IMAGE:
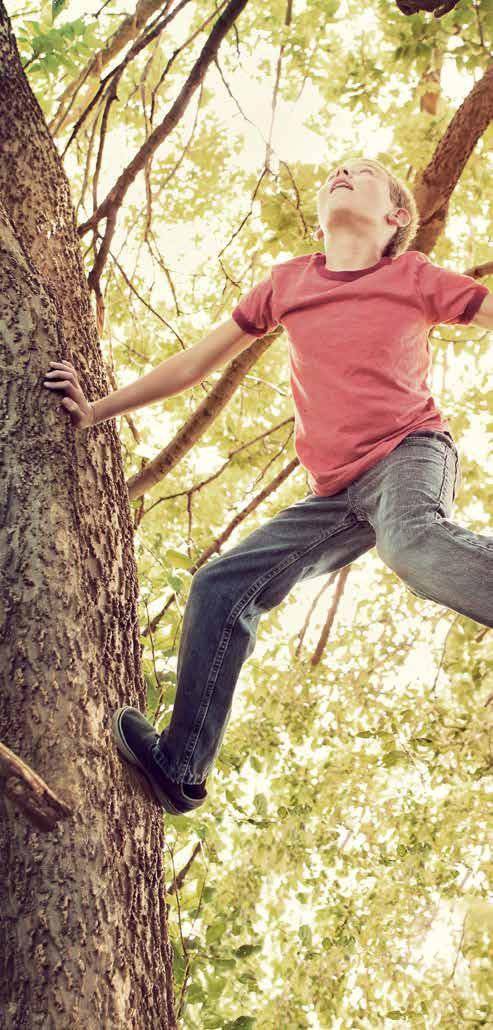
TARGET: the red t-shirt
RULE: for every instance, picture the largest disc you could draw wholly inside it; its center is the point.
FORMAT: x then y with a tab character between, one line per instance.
359	353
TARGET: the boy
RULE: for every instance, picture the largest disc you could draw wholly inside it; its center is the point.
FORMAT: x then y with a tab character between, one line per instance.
382	465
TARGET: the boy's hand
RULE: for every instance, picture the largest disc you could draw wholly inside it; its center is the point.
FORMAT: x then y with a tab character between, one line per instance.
62	376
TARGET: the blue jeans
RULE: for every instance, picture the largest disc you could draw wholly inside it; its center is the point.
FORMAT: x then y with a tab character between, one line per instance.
402	505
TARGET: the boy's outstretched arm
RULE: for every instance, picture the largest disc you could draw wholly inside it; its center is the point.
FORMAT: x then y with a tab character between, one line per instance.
174	375
484	314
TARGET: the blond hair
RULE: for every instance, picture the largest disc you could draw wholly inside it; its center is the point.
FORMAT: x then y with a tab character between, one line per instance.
401	196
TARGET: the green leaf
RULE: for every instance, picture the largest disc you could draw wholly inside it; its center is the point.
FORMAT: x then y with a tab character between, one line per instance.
225	963
153	694
195	993
174	581
178	958
52	63
210	1022
242	1023
56	7
260	802
305	935
215	987
393	757
177	559
245	950
247	978
215	932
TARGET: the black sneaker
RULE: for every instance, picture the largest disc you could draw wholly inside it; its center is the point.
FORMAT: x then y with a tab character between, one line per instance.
136	740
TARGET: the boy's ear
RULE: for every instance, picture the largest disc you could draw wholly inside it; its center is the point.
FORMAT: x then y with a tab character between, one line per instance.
400	217
318	234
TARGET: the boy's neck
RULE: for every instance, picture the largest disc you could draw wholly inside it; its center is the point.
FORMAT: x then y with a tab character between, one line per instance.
345	252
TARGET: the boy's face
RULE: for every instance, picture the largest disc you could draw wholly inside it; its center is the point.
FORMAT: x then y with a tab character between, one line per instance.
367	195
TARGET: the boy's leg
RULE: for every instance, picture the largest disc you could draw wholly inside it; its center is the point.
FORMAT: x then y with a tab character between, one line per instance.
408	498
227	598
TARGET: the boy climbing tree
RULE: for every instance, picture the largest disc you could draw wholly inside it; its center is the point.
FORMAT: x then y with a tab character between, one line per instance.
382	465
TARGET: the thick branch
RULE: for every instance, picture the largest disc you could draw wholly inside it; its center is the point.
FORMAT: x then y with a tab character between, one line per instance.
435	185
18	782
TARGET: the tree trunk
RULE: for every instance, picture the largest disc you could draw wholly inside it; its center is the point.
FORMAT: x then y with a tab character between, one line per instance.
84	938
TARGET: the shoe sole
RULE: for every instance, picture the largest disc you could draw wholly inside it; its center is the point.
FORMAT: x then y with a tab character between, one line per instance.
132	759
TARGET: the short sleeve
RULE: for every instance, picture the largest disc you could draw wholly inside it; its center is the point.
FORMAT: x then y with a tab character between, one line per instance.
254	312
448	296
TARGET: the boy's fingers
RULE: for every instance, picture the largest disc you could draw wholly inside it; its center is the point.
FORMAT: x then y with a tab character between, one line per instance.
66	384
61	376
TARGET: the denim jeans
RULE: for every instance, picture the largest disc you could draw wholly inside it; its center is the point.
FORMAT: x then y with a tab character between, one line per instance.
401	505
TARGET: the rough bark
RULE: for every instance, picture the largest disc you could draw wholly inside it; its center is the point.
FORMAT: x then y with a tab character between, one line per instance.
84	936
436	183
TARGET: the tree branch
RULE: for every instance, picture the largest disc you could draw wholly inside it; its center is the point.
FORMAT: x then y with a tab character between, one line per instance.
326	628
18	782
435	185
126	31
215	475
115	74
114	199
205	414
217	543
